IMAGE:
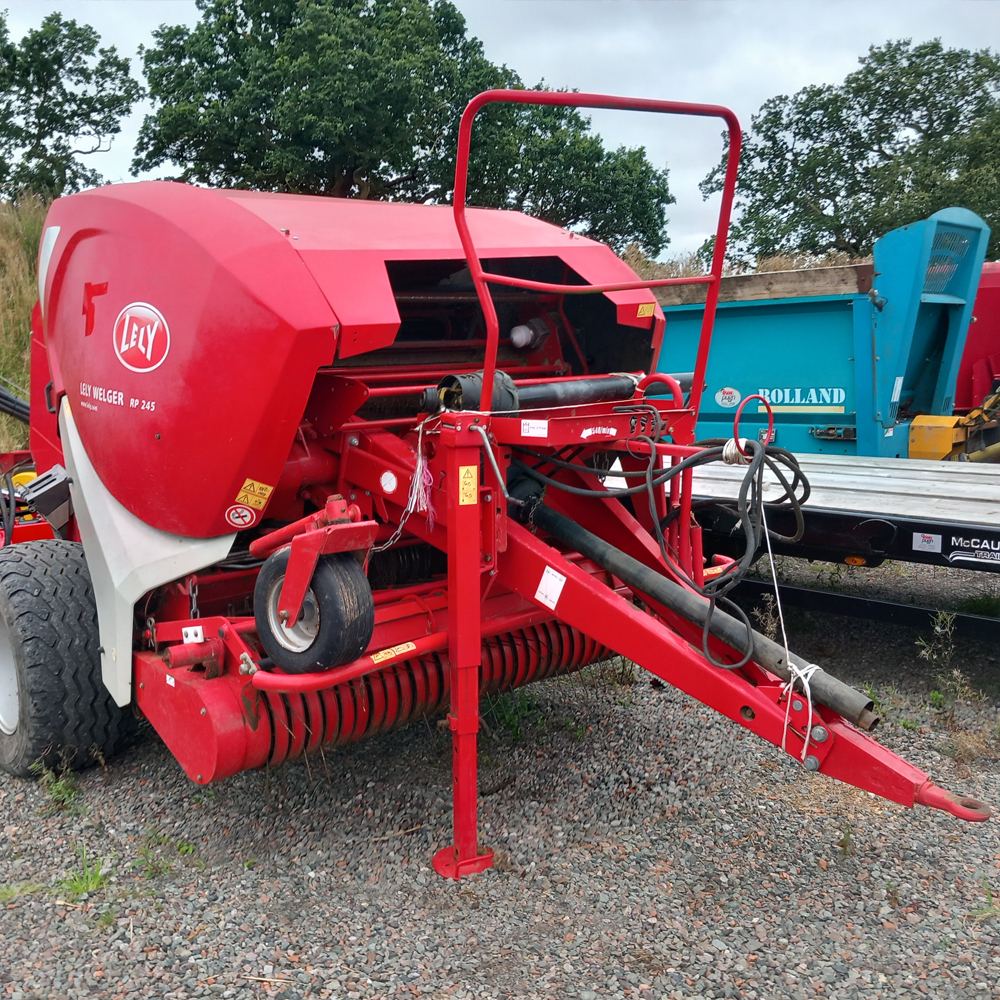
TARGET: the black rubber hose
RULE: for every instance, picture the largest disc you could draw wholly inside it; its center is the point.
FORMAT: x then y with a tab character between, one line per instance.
826	690
462	392
9	505
14	406
581	390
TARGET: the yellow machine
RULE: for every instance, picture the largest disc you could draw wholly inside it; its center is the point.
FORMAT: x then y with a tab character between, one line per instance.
974	437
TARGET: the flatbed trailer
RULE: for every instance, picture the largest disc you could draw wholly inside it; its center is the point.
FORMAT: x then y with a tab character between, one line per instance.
863	511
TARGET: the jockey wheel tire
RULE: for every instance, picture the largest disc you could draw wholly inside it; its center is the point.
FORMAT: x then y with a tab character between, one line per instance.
337	618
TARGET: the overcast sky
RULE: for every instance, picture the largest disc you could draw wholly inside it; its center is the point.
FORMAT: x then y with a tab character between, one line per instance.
732	52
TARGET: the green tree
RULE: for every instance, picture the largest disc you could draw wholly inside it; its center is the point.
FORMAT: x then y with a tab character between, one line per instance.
363	98
832	168
61	97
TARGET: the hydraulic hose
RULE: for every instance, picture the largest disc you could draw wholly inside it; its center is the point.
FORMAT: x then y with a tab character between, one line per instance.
462	392
826	690
14	405
603	389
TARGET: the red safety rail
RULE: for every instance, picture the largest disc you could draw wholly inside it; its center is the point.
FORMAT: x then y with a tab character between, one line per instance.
482	278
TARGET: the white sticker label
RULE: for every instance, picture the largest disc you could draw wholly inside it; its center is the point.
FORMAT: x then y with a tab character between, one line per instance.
534	428
550	588
889	432
388	482
608	431
897	388
926	543
170	681
728	397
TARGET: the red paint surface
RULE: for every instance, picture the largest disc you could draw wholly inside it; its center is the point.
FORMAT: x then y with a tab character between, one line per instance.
981	359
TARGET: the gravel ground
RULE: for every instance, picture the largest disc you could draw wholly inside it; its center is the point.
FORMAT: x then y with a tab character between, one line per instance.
647	848
906	583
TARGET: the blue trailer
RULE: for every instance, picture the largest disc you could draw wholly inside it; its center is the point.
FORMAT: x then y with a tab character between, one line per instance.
846	356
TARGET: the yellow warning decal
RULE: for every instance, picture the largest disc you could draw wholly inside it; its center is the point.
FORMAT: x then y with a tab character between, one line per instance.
645	309
468	484
254	494
388	654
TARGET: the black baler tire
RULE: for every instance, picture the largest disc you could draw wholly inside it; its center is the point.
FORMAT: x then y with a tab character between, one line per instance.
48	608
346	608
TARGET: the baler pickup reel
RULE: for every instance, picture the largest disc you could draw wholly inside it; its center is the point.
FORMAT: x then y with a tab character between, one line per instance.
550	565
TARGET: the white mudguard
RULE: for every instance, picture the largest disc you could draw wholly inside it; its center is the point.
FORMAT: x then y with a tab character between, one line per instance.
126	557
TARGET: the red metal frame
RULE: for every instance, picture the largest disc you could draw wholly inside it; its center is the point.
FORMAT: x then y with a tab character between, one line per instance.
514	606
481	279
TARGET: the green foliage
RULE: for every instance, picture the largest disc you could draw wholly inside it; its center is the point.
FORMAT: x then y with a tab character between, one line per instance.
846	842
89	878
873	696
939	649
991	911
766	617
616	672
987	605
513	711
62	97
20	232
16	889
149	861
915	129
363	99
59	783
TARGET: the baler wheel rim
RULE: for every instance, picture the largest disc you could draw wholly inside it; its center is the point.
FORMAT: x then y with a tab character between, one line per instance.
10	691
303	634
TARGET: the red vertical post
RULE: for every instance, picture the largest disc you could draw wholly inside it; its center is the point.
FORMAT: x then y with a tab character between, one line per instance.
464	646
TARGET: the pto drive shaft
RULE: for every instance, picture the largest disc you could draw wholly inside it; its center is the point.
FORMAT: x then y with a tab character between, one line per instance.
826	690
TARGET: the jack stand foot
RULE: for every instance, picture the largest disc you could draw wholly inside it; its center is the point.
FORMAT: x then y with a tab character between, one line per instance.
447	865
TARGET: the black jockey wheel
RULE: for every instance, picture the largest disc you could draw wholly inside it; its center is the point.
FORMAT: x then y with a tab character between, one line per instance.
335	623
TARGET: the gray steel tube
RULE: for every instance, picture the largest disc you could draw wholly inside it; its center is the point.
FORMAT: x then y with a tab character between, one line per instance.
826	690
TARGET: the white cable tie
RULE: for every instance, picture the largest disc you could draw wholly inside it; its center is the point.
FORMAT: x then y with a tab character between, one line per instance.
416	484
801	674
731	454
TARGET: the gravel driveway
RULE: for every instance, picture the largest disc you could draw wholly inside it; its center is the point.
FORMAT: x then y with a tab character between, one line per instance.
646	848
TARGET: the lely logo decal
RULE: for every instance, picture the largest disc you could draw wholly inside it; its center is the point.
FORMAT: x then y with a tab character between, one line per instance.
141	337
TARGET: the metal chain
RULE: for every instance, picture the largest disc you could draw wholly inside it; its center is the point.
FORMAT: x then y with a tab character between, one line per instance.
193	592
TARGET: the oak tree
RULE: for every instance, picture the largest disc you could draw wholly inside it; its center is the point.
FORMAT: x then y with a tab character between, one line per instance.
832	168
362	98
61	98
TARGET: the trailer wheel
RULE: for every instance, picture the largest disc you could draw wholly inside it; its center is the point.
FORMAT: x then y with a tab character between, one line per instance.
53	704
336	621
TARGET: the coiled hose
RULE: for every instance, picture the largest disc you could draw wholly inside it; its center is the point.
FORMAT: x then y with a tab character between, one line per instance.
749	504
